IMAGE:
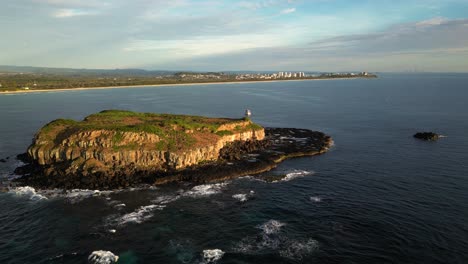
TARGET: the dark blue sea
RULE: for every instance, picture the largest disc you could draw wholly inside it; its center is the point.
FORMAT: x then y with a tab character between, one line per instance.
378	196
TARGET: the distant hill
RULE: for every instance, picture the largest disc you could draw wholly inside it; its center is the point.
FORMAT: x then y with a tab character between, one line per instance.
84	72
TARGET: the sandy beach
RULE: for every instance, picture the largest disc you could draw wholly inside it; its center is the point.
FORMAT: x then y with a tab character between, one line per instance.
156	85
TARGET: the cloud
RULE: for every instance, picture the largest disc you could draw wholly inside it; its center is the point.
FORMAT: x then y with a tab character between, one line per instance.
254	5
288	10
73	3
431	45
65	13
437	33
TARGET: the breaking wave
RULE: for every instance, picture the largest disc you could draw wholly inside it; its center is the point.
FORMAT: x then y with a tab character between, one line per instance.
271	227
205	190
78	195
294	175
28	192
273	240
102	257
316	199
139	216
243	197
143	213
212	255
166	199
297	250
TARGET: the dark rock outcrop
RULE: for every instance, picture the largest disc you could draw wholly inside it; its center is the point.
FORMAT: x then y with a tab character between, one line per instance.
429	136
238	158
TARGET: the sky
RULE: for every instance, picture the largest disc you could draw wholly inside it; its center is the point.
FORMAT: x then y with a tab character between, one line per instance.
223	35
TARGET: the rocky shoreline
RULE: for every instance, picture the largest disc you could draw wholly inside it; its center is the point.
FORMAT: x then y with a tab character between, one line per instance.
236	159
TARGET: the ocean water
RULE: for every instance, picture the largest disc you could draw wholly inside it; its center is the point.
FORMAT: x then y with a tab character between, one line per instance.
379	196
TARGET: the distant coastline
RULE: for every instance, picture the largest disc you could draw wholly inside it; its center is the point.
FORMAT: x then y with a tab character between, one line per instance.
180	84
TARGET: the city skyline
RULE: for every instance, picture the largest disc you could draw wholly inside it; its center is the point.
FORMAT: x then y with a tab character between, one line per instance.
317	35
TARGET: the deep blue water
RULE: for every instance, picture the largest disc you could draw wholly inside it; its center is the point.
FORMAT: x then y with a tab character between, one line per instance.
379	196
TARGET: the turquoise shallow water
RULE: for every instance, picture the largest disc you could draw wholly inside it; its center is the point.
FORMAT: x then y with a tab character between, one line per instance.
379	196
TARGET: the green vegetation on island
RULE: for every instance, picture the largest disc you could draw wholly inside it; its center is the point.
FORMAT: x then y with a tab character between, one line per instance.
117	149
174	132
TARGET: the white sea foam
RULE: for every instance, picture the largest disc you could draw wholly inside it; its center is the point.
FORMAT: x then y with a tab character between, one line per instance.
140	215
144	213
316	199
271	239
166	199
271	227
102	257
297	250
78	195
212	255
28	192
294	175
243	197
205	190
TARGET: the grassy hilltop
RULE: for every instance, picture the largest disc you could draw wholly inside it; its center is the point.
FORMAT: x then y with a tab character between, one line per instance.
175	132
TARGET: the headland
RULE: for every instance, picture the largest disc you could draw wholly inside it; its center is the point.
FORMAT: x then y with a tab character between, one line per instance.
117	149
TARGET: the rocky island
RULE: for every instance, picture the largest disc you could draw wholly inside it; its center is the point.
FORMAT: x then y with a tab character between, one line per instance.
115	149
428	136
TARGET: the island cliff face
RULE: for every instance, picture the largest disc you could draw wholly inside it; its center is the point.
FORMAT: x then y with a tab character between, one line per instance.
174	142
115	149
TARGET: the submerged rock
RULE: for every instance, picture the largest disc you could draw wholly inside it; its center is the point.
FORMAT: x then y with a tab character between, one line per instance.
117	149
429	136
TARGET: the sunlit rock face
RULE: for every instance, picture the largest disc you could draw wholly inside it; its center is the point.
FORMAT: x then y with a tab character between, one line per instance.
106	141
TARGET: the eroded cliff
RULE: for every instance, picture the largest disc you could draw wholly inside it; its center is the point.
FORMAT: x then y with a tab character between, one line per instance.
114	139
118	149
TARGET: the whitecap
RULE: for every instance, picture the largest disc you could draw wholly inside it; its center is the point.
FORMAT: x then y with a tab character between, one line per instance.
140	215
102	257
78	195
297	250
212	255
316	199
243	197
166	199
205	190
28	192
271	227
294	175
271	239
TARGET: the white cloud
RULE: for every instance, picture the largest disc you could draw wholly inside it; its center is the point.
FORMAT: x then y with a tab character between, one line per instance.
432	22
64	13
288	10
202	46
432	45
73	3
